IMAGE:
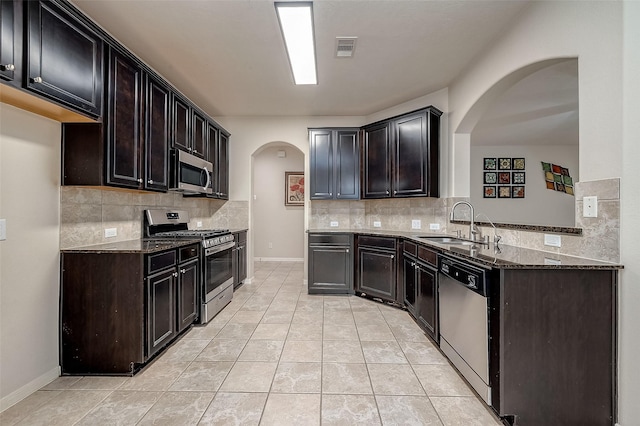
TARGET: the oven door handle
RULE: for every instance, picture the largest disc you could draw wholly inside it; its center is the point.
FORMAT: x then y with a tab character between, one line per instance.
217	249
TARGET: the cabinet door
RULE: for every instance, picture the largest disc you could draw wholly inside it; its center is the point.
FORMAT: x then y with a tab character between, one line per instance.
161	309
377	273
330	269
410	156
409	284
64	58
212	148
347	165
187	293
242	263
376	162
321	165
123	121
10	37
181	128
199	135
223	166
427	301
156	135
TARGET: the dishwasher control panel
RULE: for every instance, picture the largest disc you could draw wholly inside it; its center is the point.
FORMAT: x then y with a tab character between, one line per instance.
472	277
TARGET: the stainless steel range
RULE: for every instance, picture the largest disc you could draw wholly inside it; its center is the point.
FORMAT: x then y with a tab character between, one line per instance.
216	276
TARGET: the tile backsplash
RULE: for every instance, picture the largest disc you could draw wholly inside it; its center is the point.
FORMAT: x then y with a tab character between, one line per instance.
86	212
600	237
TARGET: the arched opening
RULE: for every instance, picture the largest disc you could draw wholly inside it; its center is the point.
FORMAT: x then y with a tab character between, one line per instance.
530	115
277	227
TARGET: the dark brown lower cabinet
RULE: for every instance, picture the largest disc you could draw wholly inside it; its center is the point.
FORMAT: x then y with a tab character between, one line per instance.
118	309
239	258
377	268
330	264
420	284
553	346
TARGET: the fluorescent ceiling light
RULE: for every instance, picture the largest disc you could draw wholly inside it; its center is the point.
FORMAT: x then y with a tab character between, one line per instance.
296	24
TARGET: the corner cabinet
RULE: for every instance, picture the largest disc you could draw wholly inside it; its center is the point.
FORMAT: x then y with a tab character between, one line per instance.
377	268
330	263
400	156
334	164
63	58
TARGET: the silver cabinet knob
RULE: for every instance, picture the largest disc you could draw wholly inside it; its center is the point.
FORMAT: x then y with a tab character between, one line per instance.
387	192
394	192
150	181
347	250
8	67
175	274
338	194
184	271
37	80
140	180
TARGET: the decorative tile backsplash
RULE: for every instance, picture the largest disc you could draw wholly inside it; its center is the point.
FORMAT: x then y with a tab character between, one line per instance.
86	212
600	237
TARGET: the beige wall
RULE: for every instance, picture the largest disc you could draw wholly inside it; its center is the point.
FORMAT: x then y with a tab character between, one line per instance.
29	259
278	230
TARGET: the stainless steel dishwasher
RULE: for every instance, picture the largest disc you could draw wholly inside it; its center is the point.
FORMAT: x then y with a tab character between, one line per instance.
464	335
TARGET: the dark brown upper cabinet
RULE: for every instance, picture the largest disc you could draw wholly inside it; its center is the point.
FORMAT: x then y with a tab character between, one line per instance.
400	156
130	148
334	164
221	167
157	134
11	41
124	121
189	130
64	58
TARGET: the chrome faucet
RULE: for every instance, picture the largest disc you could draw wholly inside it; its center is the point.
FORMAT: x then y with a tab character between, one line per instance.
474	234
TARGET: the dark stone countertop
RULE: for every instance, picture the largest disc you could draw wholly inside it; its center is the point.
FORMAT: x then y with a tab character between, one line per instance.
143	246
500	256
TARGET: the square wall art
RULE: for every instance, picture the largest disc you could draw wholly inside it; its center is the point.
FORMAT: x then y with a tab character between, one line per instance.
557	178
508	173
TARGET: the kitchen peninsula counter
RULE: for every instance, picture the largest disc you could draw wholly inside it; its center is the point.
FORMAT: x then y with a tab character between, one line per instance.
500	255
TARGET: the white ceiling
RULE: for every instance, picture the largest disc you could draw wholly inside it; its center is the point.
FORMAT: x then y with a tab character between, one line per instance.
228	55
540	109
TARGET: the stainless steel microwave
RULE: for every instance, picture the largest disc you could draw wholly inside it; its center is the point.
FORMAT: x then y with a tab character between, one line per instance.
190	174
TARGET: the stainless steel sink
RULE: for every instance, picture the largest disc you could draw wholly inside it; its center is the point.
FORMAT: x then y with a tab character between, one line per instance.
446	240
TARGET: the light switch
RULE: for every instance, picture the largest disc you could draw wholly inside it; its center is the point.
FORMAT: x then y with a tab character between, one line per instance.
333	224
416	224
434	226
552	240
3	229
110	232
590	206
377	224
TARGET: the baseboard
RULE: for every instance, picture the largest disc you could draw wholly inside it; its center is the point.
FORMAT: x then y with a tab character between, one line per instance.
278	259
26	390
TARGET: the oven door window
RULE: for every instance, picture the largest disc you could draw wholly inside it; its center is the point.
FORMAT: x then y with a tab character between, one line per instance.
219	269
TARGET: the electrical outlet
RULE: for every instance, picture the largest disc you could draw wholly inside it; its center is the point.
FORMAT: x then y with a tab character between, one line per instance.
548	261
552	240
434	226
3	229
416	224
110	232
199	224
377	224
590	206
334	224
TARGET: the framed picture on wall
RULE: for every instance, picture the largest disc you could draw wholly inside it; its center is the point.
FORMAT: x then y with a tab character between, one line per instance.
294	188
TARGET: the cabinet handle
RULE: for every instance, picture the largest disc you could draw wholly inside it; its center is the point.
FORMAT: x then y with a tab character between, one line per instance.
150	181
394	192
37	80
387	192
331	194
140	180
338	194
347	250
8	67
184	271
195	151
392	256
175	274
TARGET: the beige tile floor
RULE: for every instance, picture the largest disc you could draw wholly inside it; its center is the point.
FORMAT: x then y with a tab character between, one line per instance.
275	356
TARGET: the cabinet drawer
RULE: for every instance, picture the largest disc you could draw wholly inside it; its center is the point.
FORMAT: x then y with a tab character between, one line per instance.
189	252
431	257
411	248
160	261
378	242
330	239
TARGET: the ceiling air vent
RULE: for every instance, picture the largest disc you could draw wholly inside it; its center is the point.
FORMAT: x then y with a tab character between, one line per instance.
345	46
